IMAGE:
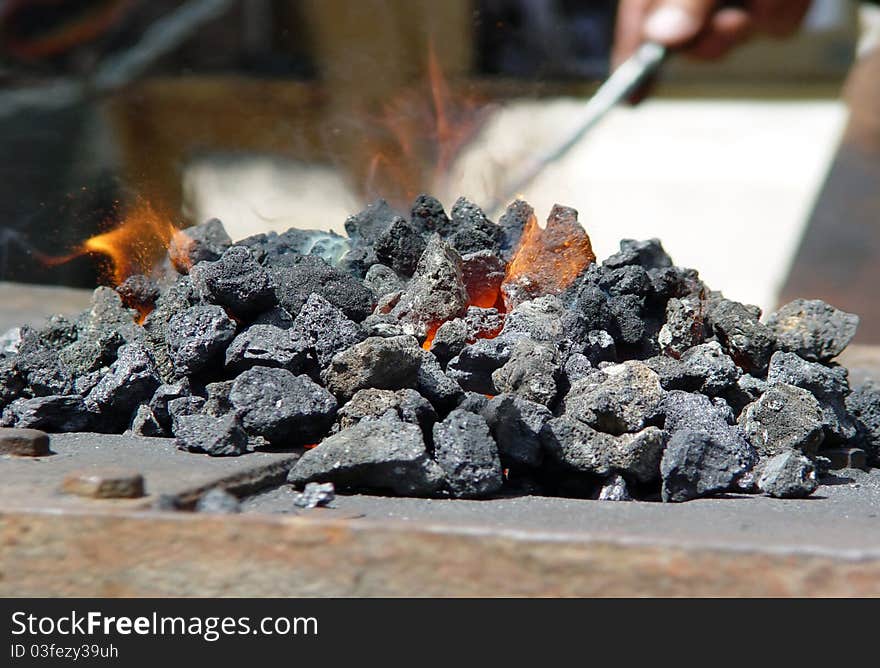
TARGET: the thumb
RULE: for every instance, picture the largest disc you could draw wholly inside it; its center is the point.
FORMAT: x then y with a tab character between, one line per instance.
676	22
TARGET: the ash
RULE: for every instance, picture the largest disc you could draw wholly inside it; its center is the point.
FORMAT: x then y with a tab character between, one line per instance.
448	355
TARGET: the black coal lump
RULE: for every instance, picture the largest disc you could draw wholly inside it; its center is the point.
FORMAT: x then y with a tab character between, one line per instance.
265	345
473	231
696	464
138	291
381	455
749	342
164	394
300	276
685	326
648	254
400	246
357	261
813	329
215	436
428	216
217	401
367	225
197	336
131	380
513	223
200	243
283	408
465	450
277	317
52	414
144	423
516	424
182	406
436	386
532	372
237	282
383	280
325	329
474	366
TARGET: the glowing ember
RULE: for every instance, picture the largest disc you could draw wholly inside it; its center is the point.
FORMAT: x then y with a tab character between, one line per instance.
548	260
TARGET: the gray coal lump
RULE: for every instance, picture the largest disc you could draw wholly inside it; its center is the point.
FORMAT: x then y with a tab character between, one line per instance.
813	329
428	216
618	399
325	328
830	386
684	411
367	225
237	282
864	405
265	345
697	464
197	336
283	408
131	380
784	418
315	495
52	414
435	385
474	366
684	327
376	455
615	489
581	448
465	450
788	475
383	280
532	372
408	404
218	437
385	364
516	425
749	342
299	276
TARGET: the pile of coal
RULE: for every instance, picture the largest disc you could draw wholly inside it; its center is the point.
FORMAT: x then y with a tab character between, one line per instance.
428	355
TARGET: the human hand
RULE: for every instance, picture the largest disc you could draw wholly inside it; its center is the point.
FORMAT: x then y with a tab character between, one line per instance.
703	29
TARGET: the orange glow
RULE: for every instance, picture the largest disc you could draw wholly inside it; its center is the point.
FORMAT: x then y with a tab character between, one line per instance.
548	260
429	339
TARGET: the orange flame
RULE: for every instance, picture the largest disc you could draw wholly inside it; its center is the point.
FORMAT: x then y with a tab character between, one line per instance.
417	138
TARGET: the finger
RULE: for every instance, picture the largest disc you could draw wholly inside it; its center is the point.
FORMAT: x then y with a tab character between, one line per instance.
727	29
778	18
631	16
677	22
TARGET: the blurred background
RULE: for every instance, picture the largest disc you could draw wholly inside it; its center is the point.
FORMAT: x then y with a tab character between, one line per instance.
760	171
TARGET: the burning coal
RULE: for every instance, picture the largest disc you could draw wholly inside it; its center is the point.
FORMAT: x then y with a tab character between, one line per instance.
448	355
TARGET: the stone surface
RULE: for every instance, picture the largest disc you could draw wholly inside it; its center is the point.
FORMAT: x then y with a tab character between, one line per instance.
384	454
408	405
743	336
400	246
298	277
465	450
236	282
315	495
325	328
53	414
813	329
532	372
204	242
614	489
265	345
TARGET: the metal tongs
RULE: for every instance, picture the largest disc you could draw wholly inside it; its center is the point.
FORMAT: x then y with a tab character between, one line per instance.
622	83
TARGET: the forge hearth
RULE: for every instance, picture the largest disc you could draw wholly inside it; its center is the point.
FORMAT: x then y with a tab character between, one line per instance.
445	355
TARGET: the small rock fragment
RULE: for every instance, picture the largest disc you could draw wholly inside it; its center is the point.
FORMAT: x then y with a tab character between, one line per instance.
614	489
104	484
200	243
695	464
408	404
532	372
24	442
315	495
516	424
400	246
265	345
217	501
326	329
788	475
52	414
236	282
